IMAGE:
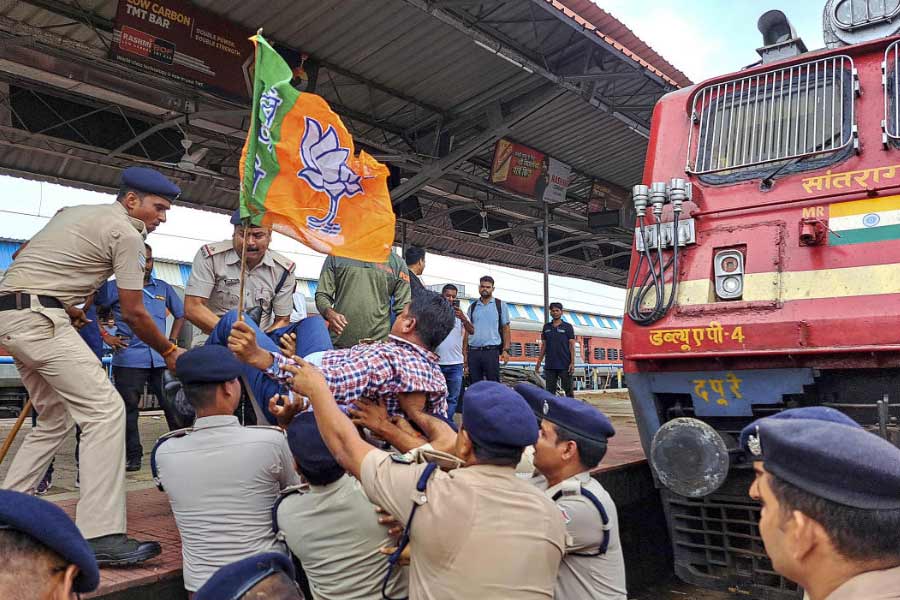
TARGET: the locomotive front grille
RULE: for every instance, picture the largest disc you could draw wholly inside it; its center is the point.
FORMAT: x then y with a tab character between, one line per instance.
716	543
784	114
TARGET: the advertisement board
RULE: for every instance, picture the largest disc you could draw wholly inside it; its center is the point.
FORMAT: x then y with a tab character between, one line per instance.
527	171
175	39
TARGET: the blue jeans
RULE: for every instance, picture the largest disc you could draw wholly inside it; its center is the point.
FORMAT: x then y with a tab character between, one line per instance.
312	336
454	376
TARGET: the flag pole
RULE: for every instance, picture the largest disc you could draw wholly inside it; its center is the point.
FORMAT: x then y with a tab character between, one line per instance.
243	271
246	223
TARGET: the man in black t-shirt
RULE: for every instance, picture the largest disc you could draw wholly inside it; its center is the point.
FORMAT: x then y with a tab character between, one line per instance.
559	348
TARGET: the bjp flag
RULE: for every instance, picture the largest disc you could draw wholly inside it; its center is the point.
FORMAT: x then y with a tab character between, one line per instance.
300	174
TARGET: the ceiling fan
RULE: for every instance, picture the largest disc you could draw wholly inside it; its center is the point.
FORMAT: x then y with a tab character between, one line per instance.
485	232
189	161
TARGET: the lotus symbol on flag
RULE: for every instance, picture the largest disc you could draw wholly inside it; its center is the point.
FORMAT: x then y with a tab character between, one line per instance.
325	170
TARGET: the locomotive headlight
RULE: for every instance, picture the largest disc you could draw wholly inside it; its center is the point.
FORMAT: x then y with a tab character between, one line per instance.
731	285
728	269
730	264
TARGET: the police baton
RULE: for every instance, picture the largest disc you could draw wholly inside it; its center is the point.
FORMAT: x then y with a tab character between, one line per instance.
7	443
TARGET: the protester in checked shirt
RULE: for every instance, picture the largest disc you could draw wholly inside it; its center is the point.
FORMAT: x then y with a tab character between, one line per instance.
404	364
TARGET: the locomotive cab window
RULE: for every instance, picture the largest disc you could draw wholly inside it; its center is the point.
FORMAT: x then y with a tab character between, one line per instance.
515	349
891	67
792	119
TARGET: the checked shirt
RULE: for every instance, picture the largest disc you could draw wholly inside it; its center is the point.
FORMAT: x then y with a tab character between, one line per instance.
378	371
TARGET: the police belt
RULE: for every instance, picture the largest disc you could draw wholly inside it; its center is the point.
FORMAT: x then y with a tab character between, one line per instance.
20	300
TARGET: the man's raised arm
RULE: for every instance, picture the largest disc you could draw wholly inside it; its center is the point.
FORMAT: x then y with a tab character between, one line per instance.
338	432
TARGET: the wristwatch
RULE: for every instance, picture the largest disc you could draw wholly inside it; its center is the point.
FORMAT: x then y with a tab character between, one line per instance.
506	350
174	340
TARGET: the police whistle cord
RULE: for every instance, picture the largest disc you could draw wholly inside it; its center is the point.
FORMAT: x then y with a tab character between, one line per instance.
7	443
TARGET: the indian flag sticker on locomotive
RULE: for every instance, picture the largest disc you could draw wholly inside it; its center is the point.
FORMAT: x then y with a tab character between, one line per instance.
864	221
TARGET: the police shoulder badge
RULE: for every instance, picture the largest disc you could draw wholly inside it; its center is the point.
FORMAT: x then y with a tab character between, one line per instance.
753	443
404	459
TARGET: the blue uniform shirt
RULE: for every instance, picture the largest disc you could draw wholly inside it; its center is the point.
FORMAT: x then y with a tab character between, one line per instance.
484	317
158	296
557	355
90	333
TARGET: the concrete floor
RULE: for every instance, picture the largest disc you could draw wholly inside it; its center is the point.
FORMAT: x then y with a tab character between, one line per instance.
152	424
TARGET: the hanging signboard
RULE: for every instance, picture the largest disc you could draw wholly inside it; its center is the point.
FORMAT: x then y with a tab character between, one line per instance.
178	40
530	172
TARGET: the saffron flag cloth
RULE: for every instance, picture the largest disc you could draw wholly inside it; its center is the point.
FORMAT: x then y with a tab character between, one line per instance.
300	175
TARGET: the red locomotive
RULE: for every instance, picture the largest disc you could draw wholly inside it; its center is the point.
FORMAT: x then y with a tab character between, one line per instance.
766	272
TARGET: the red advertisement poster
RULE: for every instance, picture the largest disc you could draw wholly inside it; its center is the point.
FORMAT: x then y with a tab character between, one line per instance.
530	172
177	40
516	167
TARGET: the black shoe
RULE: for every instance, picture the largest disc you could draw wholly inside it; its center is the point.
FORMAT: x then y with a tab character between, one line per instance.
133	465
118	550
179	405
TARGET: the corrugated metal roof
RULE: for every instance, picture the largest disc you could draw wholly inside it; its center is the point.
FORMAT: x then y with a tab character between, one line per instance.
419	69
169	272
618	33
7	249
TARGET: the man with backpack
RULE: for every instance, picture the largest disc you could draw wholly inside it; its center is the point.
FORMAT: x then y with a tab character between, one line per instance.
489	345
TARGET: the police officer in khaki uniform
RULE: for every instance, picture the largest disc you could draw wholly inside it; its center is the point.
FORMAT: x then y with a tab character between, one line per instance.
40	295
215	281
474	532
830	496
573	441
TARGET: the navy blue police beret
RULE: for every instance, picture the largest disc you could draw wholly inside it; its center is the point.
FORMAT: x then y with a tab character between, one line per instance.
819	413
496	416
208	364
150	181
572	415
307	445
236	579
48	524
828	456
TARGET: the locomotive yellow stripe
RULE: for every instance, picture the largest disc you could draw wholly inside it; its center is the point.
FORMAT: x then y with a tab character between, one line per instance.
867	280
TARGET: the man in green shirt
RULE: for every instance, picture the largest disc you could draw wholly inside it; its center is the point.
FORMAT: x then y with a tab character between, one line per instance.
355	298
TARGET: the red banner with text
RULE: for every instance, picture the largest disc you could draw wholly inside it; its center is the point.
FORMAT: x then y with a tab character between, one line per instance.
177	40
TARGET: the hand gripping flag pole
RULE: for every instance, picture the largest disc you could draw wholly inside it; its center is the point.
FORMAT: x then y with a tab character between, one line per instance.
246	222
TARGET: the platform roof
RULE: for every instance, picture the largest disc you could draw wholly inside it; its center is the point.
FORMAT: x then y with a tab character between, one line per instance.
426	86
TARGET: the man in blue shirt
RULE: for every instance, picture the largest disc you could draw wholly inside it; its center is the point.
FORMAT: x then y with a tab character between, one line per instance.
135	364
559	348
489	345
